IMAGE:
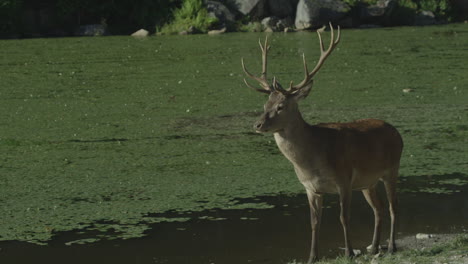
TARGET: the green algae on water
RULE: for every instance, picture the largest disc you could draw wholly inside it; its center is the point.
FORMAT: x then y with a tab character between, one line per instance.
108	131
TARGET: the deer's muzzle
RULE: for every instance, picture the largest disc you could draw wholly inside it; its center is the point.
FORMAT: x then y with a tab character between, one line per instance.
259	125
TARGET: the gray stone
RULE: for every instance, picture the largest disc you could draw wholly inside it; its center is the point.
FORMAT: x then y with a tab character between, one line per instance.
284	23
217	31
315	13
220	11
140	33
425	18
275	24
281	8
270	22
247	6
423	236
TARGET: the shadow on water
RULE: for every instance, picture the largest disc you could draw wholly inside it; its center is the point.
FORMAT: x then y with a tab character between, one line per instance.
276	235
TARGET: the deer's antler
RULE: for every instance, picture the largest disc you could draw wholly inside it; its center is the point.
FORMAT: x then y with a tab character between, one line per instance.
263	81
323	56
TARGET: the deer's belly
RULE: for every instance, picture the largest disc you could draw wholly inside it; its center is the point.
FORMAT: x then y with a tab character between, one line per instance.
326	181
317	180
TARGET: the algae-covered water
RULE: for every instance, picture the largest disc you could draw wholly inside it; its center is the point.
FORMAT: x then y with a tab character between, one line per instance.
112	133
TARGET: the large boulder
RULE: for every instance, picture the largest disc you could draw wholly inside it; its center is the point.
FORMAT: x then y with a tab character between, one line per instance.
221	12
315	13
254	8
140	33
282	8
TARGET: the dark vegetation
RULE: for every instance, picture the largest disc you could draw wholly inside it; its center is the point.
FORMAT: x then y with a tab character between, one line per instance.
30	18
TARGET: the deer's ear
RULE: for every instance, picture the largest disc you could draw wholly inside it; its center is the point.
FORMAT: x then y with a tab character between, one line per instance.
303	92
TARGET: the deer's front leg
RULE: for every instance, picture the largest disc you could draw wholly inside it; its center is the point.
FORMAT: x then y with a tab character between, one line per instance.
345	203
315	204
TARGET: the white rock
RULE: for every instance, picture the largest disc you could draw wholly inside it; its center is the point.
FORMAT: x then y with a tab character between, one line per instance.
140	33
217	31
423	236
407	90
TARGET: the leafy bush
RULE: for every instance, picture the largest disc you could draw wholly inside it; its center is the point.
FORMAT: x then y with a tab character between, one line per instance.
191	14
440	8
251	27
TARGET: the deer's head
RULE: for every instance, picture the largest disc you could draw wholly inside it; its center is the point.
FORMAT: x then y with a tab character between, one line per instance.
281	108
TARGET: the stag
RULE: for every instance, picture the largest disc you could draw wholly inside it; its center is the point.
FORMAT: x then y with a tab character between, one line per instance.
331	157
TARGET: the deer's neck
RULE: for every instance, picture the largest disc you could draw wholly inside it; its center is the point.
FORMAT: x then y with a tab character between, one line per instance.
294	140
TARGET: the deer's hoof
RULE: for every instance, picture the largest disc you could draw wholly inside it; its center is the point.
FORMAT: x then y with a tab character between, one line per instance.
312	259
392	249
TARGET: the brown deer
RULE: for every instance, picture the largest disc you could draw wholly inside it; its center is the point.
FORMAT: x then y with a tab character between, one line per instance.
331	157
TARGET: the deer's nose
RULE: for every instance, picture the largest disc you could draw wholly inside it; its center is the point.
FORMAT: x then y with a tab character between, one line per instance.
258	125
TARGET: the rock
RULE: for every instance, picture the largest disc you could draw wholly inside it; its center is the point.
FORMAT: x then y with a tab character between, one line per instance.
140	33
423	236
217	31
270	22
191	30
255	8
221	12
281	8
369	248
285	23
425	18
92	30
275	24
378	13
315	13
407	90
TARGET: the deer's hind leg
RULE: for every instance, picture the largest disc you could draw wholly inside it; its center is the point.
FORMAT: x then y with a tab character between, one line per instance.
374	201
390	183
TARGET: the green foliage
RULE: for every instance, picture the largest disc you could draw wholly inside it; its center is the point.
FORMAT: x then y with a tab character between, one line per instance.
251	27
191	14
410	4
440	8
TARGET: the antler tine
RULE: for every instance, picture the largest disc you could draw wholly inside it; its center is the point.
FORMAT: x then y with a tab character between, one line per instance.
277	86
256	89
264	49
263	78
263	82
323	56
